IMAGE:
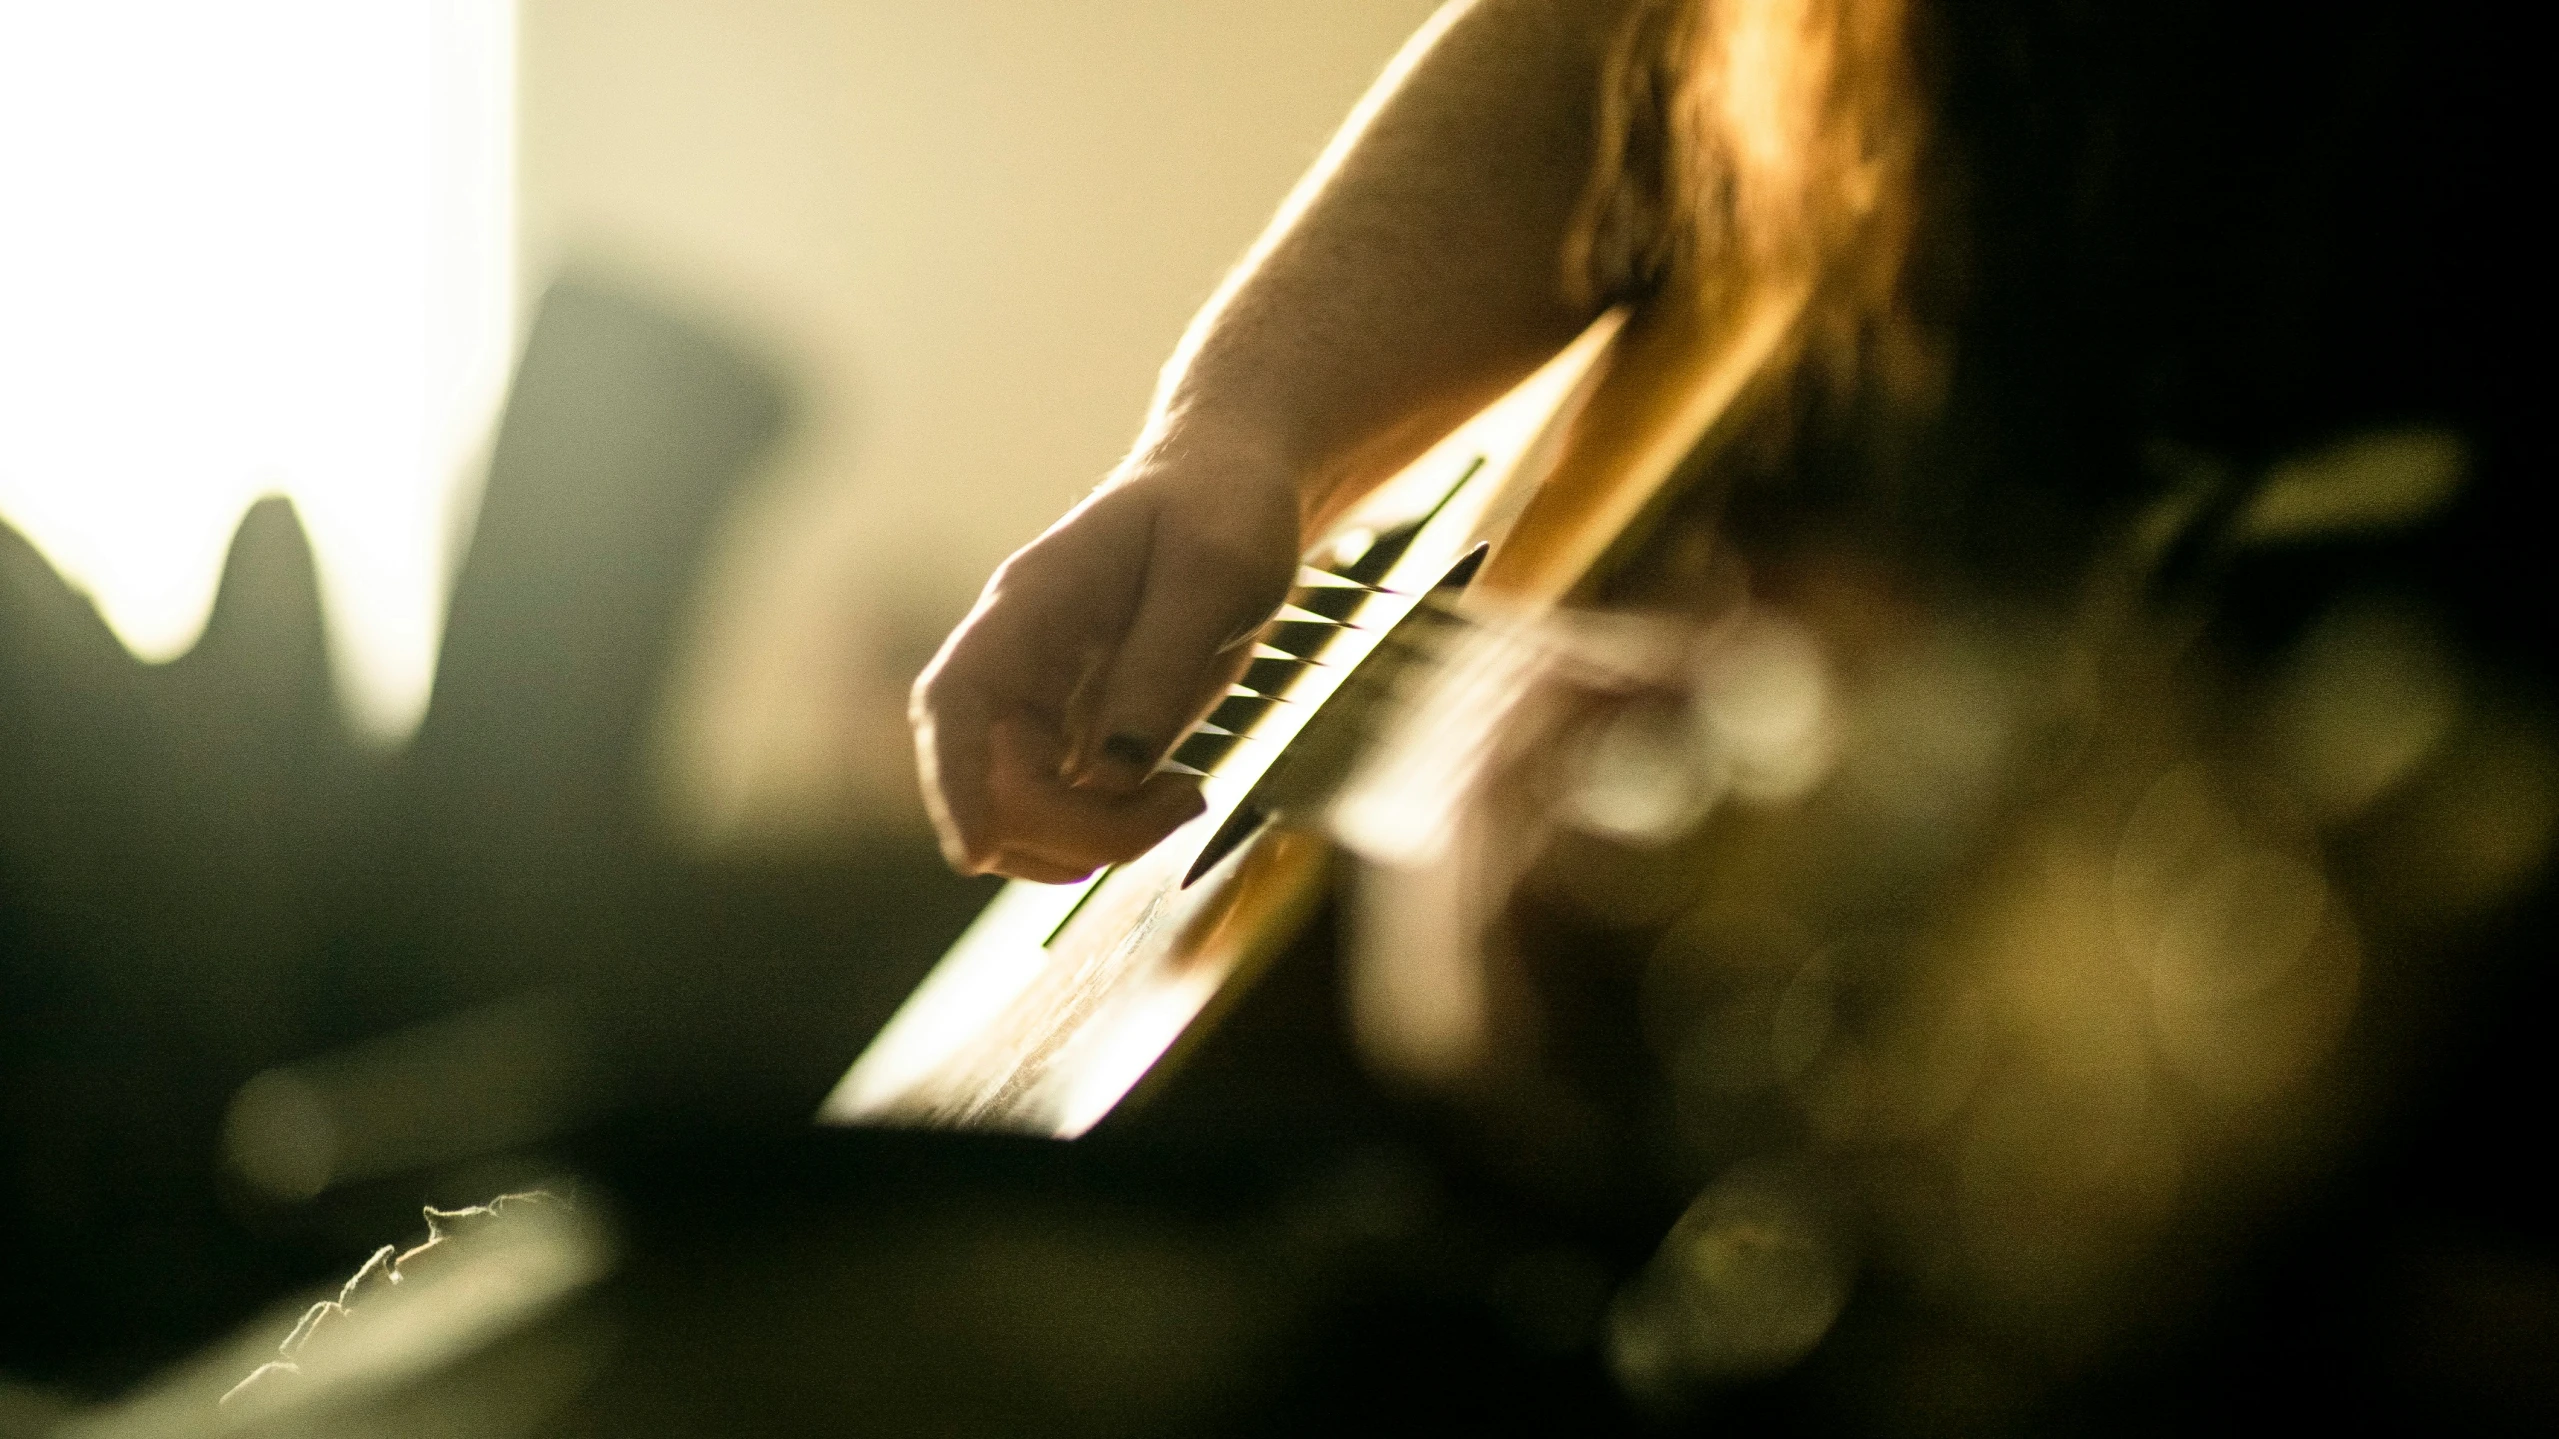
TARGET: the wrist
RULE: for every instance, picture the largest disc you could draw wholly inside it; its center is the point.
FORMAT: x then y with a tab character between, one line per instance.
1229	462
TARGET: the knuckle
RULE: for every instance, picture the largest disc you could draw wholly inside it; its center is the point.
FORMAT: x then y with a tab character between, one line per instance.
927	684
972	854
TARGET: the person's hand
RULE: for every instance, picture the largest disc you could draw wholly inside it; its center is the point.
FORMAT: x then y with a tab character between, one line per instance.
1091	652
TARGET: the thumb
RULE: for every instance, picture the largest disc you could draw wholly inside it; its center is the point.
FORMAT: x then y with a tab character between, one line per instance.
1188	640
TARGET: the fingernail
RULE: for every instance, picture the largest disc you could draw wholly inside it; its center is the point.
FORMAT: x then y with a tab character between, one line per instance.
1129	750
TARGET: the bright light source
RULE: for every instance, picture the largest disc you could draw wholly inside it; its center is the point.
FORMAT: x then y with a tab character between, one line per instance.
252	248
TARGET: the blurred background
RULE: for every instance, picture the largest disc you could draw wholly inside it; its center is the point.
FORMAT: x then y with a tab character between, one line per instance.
476	479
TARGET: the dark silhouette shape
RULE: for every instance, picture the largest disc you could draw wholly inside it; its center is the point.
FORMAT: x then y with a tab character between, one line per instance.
202	876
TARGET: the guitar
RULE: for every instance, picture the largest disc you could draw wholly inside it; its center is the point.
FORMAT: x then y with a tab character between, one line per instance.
1059	999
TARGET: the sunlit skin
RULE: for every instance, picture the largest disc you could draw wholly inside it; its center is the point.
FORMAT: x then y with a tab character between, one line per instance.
1412	277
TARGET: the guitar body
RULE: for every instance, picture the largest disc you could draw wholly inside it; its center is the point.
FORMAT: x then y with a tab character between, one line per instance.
1059	999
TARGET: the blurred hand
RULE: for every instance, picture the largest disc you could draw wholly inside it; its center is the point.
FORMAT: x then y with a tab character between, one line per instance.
1091	652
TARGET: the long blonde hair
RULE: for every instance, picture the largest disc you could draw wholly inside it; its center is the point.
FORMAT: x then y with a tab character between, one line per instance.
1744	142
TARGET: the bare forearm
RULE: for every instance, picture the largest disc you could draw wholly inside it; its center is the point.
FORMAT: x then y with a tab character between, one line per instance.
1416	274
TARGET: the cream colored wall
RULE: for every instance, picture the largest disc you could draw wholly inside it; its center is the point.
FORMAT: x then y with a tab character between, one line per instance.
971	229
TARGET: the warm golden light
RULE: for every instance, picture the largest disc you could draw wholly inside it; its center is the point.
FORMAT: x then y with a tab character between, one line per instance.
255	248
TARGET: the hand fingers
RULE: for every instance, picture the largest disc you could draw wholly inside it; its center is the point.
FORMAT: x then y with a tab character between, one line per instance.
1047	825
1186	644
1012	813
1111	634
1014	865
951	761
1020	652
